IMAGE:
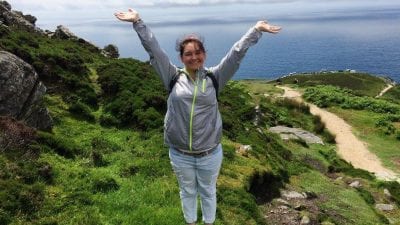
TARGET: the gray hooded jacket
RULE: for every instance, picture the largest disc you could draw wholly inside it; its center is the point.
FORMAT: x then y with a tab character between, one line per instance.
193	121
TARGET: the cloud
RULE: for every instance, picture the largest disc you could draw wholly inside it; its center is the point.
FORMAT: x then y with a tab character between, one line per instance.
105	4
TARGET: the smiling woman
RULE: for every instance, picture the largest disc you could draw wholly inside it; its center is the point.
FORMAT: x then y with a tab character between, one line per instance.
193	125
333	30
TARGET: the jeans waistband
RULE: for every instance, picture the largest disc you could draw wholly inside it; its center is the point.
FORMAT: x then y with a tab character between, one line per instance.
198	154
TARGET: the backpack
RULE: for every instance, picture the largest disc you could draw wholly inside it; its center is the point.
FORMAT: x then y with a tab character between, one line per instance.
208	74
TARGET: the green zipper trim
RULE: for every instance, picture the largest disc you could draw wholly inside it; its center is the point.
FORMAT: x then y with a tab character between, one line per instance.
204	85
192	115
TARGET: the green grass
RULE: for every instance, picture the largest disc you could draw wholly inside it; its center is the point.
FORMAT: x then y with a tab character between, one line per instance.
261	88
361	84
338	203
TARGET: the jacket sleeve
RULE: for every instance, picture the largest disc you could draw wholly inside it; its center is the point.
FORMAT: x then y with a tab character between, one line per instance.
158	58
225	70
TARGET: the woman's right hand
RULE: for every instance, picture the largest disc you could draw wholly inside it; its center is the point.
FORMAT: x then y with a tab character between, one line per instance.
130	16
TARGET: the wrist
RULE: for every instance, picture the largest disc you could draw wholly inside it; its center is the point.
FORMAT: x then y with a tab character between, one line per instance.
136	20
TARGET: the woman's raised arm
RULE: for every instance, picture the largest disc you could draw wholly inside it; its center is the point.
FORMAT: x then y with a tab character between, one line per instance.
158	58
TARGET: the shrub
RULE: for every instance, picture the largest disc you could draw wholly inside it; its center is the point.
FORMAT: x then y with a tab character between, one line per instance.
81	110
103	145
61	146
319	126
108	120
366	195
112	50
97	159
104	184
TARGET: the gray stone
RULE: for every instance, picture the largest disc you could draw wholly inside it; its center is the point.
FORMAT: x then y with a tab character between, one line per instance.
296	133
21	92
386	192
293	195
16	18
63	32
355	184
305	220
384	207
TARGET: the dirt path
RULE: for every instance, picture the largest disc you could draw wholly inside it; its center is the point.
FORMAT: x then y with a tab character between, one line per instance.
349	147
388	87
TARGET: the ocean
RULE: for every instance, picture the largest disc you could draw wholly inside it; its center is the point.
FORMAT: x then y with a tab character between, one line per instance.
366	41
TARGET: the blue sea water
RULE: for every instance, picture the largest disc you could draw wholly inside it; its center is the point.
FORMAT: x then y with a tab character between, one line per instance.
368	41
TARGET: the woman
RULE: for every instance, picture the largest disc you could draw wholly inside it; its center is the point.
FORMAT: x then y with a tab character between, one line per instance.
192	125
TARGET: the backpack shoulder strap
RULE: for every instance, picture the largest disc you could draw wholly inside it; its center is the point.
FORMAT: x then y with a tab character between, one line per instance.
208	74
214	81
174	80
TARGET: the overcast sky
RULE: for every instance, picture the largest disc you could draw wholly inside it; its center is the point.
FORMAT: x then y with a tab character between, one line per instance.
96	4
51	13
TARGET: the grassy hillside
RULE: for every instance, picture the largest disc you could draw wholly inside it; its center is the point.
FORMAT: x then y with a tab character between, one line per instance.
361	84
104	162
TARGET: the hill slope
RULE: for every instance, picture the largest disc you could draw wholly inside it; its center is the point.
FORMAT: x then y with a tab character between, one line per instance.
104	161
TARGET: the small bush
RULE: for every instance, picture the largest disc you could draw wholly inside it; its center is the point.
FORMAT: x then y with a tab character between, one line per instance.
108	120
98	159
366	195
103	145
61	146
104	184
329	137
5	217
82	110
129	170
319	126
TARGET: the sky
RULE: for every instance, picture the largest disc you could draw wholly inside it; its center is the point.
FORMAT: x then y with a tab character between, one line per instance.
52	12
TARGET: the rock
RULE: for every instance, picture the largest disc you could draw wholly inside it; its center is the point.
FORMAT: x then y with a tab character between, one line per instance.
327	223
355	184
287	133
16	18
299	207
63	32
110	51
243	150
305	220
5	5
21	92
292	195
384	207
281	201
386	192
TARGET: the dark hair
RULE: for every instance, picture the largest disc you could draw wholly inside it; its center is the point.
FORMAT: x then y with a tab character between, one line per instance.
182	42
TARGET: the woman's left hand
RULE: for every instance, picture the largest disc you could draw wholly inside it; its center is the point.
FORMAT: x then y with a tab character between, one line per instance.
264	26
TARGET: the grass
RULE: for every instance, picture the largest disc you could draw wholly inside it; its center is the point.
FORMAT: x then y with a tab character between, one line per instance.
361	84
260	88
338	202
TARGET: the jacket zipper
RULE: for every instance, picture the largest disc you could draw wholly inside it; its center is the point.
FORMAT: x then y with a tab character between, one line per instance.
192	113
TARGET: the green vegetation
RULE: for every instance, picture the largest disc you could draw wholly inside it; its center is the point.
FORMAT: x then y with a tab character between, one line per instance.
104	161
361	84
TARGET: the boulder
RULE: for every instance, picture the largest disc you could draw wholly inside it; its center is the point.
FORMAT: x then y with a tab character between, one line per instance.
21	92
296	133
63	32
384	207
16	18
110	51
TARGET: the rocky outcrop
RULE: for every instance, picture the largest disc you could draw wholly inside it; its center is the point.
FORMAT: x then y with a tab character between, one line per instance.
287	133
110	51
63	32
21	92
10	17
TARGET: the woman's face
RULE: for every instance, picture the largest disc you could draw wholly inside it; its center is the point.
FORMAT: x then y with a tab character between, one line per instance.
193	57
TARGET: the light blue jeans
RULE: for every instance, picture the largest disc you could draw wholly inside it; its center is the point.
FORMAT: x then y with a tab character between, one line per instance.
197	176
